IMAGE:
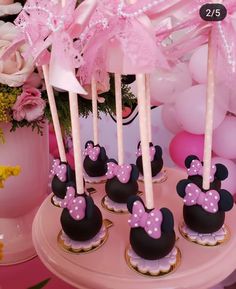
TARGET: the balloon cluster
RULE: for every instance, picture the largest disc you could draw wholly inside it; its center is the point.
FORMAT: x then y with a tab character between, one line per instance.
182	93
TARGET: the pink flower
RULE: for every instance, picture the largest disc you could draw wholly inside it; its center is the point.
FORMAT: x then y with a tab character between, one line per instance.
29	105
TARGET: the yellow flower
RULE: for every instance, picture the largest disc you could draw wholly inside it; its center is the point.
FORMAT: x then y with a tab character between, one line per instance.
6	172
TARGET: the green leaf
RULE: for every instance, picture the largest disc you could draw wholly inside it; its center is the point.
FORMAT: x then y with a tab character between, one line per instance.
41	284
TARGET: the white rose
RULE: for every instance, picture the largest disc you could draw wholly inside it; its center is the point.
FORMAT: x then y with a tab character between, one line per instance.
15	70
8	7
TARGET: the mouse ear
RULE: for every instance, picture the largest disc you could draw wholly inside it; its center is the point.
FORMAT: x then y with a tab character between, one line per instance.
168	220
181	186
89	142
103	154
139	143
158	153
89	206
226	201
221	172
134	173
131	200
112	161
189	159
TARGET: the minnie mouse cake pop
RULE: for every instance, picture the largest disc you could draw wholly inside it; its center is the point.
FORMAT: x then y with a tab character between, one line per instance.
61	174
152	239
95	160
204	210
156	162
120	185
82	224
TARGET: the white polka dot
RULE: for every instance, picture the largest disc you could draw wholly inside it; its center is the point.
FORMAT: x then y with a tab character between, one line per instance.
135	215
149	223
150	232
155	229
157	219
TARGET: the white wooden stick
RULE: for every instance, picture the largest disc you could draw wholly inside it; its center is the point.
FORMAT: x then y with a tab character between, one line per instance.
75	125
143	126
95	111
119	122
55	118
209	117
148	106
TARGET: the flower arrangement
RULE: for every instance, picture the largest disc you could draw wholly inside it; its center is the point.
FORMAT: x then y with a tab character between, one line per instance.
6	172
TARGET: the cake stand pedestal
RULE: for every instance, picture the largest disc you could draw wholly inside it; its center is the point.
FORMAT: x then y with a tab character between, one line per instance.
106	268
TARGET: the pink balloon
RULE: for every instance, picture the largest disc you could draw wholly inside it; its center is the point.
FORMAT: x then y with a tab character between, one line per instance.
224	138
169	118
184	144
198	64
165	84
191	108
229	184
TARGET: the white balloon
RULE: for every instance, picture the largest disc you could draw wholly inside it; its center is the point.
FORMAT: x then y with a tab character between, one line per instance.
165	84
198	64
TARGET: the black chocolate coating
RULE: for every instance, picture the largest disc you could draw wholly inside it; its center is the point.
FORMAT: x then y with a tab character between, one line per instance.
156	165
120	192
150	248
198	220
96	168
198	180
59	188
82	230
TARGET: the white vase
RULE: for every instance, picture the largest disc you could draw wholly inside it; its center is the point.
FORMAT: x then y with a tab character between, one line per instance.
23	194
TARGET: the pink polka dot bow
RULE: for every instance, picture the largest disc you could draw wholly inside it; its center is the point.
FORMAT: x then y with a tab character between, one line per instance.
59	170
152	152
121	172
151	222
92	152
196	168
75	205
208	201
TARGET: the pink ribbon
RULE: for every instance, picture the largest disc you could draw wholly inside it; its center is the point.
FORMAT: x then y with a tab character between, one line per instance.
208	201
196	168
113	39
59	170
151	222
45	24
122	172
92	152
75	205
197	33
152	152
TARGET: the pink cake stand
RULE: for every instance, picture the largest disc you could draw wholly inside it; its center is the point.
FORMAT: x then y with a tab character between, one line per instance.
201	267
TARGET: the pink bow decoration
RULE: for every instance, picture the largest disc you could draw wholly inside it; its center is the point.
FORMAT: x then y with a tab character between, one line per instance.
122	172
75	205
196	168
197	33
45	24
208	201
59	170
92	152
151	222
113	38
152	152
